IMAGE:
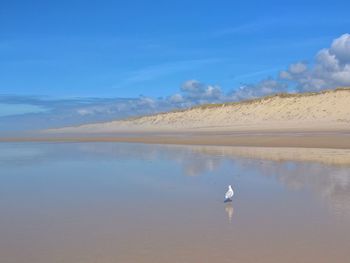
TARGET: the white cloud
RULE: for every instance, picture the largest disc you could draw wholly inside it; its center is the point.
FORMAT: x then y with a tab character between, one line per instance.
263	88
199	92
143	75
298	68
331	68
20	109
176	98
341	48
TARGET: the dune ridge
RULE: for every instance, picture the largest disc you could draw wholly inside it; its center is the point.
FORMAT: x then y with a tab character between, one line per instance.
326	110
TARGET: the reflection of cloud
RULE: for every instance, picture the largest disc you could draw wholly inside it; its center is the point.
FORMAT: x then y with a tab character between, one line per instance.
326	156
197	166
193	164
15	154
327	182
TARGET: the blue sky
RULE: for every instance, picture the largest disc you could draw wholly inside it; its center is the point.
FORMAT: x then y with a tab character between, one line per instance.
126	49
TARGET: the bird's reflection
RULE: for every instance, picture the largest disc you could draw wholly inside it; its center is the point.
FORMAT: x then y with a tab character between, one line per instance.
229	211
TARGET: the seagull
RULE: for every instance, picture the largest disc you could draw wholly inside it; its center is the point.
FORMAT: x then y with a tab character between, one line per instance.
229	194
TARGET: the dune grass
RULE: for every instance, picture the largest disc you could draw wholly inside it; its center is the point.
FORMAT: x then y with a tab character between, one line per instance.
244	102
277	95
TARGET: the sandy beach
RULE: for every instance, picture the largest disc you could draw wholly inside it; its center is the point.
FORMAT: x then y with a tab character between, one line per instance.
76	202
310	121
174	132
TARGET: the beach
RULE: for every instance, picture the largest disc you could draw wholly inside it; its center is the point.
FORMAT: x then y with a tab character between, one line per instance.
316	121
174	132
129	202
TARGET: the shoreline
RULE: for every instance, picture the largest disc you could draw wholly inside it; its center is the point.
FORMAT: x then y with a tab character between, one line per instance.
326	147
302	139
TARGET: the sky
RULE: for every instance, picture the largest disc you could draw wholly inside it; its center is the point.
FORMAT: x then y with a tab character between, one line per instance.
71	62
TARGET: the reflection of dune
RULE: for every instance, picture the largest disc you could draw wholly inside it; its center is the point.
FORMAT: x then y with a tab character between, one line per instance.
327	156
198	166
328	182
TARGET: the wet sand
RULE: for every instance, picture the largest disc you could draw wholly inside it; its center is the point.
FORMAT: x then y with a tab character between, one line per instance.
328	147
117	202
304	139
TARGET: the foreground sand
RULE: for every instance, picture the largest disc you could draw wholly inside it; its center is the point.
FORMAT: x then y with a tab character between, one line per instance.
127	203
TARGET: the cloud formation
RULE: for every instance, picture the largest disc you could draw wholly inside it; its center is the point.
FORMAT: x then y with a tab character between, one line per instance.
194	92
330	69
262	88
63	112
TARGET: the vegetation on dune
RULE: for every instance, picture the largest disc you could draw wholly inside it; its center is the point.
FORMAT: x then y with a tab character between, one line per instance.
244	102
226	104
277	95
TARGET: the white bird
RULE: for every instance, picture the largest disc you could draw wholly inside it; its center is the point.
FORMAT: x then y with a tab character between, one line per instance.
229	194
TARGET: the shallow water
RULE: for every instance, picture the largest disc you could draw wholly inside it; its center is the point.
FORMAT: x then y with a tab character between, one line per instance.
114	202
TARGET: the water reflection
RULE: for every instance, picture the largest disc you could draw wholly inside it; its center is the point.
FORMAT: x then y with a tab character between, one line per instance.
76	202
229	211
330	183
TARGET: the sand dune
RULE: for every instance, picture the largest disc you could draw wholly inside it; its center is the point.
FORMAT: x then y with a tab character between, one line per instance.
327	110
301	127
